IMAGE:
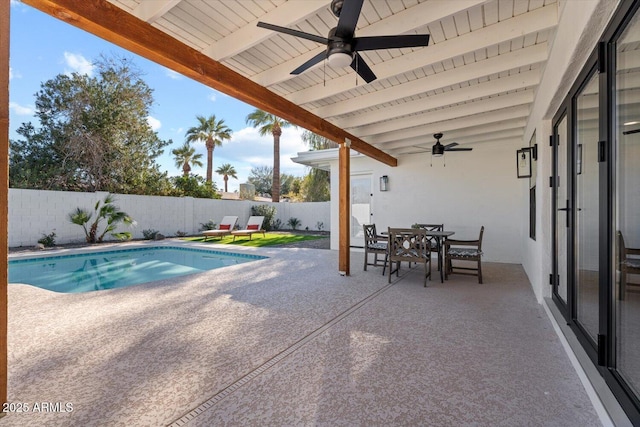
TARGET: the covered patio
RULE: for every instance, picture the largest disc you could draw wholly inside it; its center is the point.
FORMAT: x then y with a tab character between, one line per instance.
262	347
259	346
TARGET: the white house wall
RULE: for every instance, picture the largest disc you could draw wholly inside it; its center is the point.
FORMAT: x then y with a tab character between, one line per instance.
580	26
462	190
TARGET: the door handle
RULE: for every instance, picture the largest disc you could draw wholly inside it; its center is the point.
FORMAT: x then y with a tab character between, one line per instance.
566	209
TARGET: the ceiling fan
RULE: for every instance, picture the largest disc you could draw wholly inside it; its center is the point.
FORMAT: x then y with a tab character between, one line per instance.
438	149
343	47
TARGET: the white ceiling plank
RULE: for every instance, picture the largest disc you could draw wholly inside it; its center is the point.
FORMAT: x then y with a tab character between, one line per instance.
537	20
469	93
404	22
250	35
151	11
463	110
530	55
519	111
455	133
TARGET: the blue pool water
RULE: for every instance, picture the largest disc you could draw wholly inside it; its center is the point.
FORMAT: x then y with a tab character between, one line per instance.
116	269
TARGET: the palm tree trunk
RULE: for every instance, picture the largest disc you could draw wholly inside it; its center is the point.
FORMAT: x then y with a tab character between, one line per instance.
209	159
275	186
226	178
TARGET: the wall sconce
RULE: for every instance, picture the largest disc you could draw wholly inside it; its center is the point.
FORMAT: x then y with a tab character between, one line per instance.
384	183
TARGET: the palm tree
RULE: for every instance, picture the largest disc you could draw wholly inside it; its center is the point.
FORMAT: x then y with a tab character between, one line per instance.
226	171
185	157
268	123
212	132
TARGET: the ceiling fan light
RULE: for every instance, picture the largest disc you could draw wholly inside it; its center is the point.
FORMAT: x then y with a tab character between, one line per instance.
340	60
437	150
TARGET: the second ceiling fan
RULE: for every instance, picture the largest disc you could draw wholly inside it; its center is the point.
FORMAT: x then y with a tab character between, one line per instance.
342	45
438	149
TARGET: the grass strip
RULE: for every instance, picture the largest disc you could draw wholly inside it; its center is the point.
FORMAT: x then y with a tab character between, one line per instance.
257	240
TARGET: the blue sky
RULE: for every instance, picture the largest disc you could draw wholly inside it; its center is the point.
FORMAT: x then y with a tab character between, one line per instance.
56	47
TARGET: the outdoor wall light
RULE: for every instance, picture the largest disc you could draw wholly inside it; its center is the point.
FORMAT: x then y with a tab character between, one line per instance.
384	183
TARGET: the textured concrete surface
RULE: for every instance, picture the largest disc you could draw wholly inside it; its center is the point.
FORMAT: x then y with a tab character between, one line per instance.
287	341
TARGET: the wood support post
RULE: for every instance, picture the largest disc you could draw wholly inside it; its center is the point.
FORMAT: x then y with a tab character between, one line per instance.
4	191
344	208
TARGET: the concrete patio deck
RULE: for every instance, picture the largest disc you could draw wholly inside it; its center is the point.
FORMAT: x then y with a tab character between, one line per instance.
287	341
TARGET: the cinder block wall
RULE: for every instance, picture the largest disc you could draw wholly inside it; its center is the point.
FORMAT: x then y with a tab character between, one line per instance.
33	213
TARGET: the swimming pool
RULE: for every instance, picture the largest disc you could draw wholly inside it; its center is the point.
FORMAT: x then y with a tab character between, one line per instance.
86	272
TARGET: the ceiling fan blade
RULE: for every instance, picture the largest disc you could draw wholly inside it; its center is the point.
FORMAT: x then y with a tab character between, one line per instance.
310	63
458	149
291	32
348	18
363	69
390	42
449	146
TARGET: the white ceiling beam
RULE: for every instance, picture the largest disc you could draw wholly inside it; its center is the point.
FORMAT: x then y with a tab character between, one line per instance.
464	142
465	94
286	15
527	23
404	22
462	122
457	133
151	11
469	109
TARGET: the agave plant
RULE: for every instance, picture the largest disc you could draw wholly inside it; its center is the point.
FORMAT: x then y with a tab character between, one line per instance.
103	211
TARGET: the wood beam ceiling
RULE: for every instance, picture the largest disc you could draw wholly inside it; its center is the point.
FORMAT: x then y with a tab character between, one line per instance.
125	30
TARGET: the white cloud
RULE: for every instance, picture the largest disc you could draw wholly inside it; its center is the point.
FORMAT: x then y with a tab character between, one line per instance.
21	110
172	74
154	123
247	146
77	63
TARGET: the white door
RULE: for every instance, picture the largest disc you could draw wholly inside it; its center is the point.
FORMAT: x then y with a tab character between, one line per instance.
360	207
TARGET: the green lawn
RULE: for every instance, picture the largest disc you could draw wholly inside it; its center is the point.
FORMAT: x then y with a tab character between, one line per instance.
257	240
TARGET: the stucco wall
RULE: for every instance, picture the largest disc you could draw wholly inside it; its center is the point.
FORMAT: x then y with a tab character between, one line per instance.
581	23
463	190
33	213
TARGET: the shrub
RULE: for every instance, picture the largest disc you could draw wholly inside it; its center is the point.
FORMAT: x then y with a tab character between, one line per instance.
268	212
277	224
181	233
209	225
150	234
48	240
104	210
320	225
294	223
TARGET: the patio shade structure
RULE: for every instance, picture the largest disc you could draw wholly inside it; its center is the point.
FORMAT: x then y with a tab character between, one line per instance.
476	78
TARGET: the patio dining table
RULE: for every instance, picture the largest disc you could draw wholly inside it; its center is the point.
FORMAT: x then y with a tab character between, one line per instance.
441	236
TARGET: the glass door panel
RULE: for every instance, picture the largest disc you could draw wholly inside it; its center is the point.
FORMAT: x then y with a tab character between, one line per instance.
586	203
627	206
562	212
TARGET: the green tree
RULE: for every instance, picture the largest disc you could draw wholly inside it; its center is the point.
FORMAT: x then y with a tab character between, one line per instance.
270	124
195	186
227	171
93	134
262	179
185	157
212	132
103	211
316	185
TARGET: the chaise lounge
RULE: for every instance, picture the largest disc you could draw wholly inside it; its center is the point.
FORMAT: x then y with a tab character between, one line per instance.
224	229
254	225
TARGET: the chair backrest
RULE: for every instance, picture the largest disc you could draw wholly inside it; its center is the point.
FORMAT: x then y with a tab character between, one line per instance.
435	243
480	238
370	234
228	220
253	221
408	244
